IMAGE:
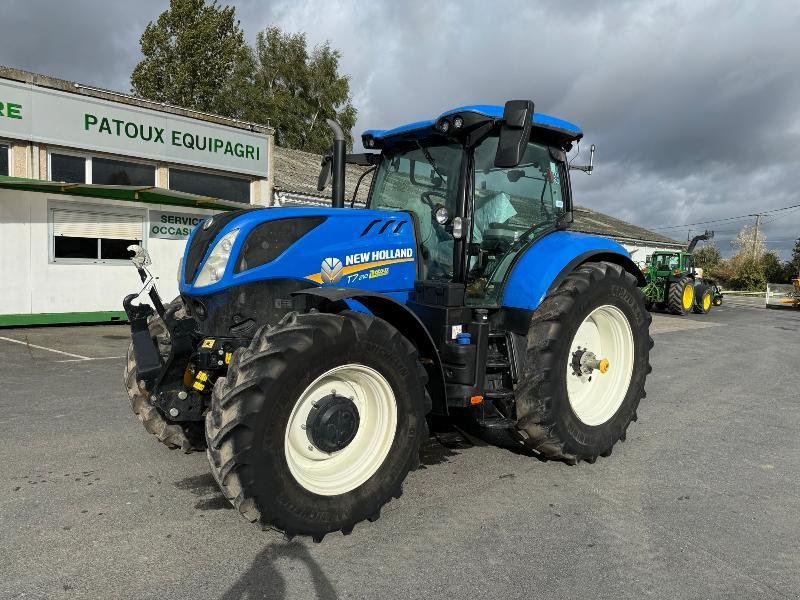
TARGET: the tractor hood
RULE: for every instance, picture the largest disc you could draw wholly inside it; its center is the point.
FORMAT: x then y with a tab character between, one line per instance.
368	249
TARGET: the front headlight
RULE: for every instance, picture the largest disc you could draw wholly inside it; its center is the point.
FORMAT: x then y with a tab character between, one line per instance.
214	267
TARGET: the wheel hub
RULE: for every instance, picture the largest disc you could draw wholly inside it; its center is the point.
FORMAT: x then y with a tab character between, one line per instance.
332	423
584	362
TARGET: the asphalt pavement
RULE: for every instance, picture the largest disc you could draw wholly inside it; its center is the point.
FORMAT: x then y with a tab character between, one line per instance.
701	501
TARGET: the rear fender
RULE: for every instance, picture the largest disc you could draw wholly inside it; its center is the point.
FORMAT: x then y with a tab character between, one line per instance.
546	263
400	317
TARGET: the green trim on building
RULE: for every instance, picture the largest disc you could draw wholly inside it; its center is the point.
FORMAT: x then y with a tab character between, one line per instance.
129	193
62	318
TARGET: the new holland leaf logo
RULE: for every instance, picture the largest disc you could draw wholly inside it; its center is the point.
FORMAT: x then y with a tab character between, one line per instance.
331	270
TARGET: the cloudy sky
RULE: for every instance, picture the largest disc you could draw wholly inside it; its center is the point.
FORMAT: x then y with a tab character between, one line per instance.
694	105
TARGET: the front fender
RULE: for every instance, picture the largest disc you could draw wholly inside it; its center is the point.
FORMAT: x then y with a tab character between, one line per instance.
401	318
544	264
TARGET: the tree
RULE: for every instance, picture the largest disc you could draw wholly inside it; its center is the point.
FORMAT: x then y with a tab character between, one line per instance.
707	257
748	275
195	56
774	271
750	242
792	268
745	269
295	91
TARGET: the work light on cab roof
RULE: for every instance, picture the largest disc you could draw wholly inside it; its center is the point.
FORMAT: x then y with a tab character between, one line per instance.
309	345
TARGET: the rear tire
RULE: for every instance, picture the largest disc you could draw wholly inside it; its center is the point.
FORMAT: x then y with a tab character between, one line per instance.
549	418
172	435
254	435
703	300
680	296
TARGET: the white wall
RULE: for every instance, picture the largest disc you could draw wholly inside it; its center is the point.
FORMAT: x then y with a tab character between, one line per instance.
32	285
15	253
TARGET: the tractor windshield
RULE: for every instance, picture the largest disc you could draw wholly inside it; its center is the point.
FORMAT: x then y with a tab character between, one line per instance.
666	262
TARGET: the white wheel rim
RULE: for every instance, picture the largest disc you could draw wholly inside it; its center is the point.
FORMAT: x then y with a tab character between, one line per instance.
344	470
606	332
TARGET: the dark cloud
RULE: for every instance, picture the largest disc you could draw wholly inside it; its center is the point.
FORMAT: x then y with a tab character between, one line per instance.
694	105
89	41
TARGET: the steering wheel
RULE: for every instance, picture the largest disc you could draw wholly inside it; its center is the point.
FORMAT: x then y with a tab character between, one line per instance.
426	198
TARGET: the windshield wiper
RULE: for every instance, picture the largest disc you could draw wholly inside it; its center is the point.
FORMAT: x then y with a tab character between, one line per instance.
429	158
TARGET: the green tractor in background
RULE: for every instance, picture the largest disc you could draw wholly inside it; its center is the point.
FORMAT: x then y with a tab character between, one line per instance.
674	283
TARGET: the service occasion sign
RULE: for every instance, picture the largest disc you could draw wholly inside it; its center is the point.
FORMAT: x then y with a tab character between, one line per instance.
173	225
75	121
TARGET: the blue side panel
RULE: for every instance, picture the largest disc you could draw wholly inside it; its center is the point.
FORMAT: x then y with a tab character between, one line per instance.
368	249
536	270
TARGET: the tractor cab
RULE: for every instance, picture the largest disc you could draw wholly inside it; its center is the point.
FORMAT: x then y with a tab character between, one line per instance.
672	263
479	188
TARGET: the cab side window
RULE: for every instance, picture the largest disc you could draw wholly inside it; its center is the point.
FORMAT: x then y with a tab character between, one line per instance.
419	181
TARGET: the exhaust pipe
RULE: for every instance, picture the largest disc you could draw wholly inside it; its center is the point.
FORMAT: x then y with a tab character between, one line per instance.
339	148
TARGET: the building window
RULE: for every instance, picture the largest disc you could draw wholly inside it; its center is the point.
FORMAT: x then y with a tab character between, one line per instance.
67	167
106	171
5	152
236	189
85	234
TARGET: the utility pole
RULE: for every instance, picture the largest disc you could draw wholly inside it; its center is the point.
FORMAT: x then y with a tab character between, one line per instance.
755	235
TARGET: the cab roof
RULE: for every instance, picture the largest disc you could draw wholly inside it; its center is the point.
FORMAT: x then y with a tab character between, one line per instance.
568	132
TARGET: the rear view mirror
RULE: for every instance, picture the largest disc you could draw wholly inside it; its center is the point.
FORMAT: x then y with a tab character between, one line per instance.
325	173
515	132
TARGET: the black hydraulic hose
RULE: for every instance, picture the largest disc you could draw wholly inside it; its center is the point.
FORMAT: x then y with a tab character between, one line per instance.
358	184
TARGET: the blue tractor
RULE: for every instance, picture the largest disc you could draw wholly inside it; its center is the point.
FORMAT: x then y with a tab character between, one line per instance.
309	345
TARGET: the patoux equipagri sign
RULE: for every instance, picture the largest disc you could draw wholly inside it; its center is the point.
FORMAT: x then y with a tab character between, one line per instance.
54	117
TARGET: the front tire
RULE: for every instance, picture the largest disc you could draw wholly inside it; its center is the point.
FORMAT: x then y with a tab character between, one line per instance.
264	442
597	308
680	296
703	300
187	437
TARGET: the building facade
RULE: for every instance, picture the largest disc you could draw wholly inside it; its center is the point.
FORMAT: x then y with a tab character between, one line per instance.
86	172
